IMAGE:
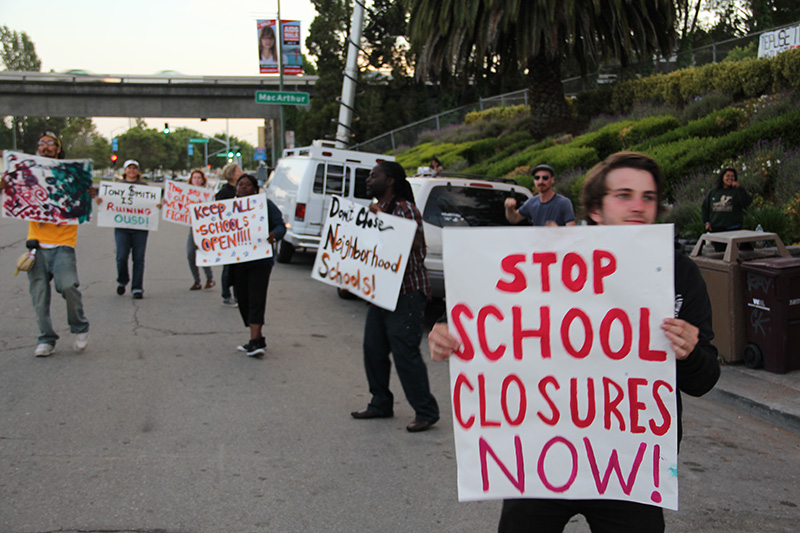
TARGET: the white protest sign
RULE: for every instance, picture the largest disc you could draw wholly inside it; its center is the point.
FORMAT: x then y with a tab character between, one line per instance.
564	386
178	197
231	231
363	252
772	43
43	189
128	205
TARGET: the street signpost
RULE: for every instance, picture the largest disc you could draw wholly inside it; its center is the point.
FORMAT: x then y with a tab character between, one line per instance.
282	98
197	140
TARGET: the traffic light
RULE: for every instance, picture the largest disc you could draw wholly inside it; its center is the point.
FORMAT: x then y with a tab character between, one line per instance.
166	129
113	158
230	154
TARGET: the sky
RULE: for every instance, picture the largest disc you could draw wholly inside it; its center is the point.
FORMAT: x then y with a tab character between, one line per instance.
193	37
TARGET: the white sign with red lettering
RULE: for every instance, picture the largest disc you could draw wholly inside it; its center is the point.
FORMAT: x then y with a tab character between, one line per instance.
178	197
564	386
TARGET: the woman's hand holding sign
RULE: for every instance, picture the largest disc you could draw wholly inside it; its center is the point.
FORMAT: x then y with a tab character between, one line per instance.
441	343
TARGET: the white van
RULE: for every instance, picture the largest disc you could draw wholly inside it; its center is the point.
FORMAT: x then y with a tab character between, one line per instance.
304	181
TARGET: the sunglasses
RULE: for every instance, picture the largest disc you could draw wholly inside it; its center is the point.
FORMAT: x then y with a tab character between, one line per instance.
541	177
47	143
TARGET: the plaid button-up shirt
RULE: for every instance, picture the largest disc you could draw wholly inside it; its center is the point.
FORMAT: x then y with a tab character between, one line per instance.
416	276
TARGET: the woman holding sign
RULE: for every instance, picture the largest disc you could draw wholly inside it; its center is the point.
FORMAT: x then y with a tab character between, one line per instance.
198	179
251	278
131	241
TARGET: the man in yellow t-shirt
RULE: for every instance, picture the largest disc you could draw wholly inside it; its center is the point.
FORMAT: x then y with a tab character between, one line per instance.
55	260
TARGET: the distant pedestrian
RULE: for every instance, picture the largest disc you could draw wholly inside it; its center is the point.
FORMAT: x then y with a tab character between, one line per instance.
546	208
436	166
131	242
252	277
56	262
231	174
399	332
724	205
198	179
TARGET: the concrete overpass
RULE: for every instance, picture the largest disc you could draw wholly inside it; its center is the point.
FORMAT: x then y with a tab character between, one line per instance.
73	95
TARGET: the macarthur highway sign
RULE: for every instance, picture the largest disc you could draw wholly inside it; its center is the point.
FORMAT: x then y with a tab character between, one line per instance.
281	98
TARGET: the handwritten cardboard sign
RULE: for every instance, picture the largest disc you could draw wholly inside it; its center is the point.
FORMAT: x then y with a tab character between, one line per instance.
49	190
564	386
128	205
231	231
178	196
363	252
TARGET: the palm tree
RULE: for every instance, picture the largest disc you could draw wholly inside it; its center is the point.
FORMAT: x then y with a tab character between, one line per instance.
465	37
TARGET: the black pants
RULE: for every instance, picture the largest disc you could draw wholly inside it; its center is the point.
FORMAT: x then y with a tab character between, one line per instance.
251	281
603	516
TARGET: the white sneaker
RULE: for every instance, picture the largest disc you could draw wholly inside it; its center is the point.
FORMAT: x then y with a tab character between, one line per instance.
44	350
81	341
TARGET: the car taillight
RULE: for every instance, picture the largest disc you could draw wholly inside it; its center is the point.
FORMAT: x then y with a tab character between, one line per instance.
484	185
300	212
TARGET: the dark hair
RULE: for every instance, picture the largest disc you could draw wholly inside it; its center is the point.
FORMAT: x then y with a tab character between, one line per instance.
402	189
249	177
720	184
594	186
61	154
267	31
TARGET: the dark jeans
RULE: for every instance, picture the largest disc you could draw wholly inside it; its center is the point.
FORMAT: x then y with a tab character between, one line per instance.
400	333
603	516
131	240
225	278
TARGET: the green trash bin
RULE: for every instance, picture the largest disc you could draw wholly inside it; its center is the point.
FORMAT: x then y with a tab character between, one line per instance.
772	314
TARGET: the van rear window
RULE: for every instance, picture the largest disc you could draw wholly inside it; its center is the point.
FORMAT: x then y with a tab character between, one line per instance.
467	206
332	179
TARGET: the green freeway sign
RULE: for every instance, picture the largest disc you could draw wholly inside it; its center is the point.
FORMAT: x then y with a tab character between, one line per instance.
195	140
281	98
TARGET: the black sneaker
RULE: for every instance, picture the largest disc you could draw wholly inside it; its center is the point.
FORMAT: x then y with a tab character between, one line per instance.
254	348
120	289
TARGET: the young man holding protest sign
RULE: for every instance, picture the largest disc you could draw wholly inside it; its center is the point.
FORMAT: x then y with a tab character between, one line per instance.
55	260
399	331
625	189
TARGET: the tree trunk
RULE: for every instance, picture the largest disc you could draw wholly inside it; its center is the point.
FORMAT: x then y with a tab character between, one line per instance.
549	111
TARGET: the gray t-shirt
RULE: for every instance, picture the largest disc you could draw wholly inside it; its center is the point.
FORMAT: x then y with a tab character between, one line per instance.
558	209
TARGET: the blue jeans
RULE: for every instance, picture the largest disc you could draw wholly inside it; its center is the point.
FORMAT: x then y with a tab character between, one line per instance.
191	255
400	333
128	240
57	264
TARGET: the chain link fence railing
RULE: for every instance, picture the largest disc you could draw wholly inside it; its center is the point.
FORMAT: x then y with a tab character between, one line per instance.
407	136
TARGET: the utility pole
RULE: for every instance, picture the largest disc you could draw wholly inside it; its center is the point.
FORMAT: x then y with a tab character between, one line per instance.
280	76
347	101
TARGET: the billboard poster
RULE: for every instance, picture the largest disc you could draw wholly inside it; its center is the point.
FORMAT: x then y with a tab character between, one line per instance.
268	49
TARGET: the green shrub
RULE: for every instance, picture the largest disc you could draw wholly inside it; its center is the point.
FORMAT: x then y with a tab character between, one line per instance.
606	140
647	128
771	217
715	124
786	69
688	219
702	106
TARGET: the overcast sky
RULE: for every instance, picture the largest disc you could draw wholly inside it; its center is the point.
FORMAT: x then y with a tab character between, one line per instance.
196	37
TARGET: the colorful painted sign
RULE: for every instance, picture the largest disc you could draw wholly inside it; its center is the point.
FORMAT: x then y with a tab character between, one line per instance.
128	205
178	196
43	189
564	386
231	231
363	252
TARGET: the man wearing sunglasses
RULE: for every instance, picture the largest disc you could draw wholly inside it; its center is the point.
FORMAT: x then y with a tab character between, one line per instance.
55	261
546	208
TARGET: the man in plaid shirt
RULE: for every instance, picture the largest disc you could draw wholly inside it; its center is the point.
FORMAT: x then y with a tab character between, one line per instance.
399	332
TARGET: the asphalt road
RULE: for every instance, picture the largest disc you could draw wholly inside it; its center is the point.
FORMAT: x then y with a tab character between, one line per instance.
162	426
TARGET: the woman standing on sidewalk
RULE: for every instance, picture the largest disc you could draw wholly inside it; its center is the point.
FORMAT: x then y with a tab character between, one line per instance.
251	278
198	179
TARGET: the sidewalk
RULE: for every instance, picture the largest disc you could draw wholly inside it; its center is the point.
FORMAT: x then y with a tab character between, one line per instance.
774	398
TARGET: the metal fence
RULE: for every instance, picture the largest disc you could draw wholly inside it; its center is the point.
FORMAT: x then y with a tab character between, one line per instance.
408	134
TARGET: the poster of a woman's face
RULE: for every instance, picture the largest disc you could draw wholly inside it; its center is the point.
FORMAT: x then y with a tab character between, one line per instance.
268	49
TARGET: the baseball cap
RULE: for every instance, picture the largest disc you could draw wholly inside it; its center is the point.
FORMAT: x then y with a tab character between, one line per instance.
130	162
548	168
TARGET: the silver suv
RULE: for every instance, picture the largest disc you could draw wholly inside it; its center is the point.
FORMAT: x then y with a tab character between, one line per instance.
451	199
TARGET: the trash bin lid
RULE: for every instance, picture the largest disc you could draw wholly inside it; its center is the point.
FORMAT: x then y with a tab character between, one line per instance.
772	263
